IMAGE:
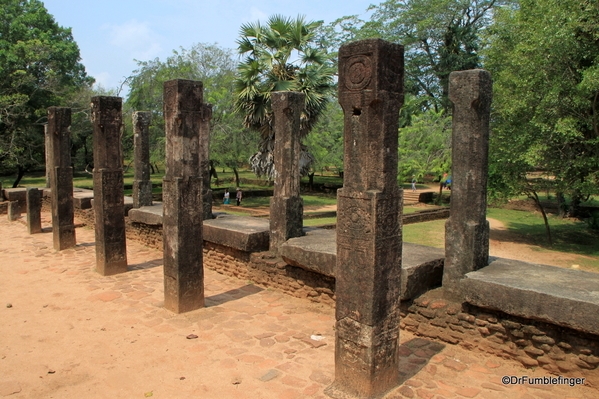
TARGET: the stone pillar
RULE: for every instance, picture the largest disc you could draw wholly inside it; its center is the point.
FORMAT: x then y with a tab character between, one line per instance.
205	160
369	221
109	201
182	196
13	211
142	185
286	205
34	211
467	229
48	144
58	152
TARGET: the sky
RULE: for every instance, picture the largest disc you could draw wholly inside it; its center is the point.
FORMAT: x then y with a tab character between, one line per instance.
112	34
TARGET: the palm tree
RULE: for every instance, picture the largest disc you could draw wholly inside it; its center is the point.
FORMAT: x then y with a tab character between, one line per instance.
280	56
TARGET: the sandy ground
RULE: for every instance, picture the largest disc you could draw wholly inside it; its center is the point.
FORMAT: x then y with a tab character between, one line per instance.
69	333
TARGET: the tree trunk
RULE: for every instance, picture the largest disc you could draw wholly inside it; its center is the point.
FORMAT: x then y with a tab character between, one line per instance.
237	180
561	204
311	180
20	175
574	209
440	193
533	195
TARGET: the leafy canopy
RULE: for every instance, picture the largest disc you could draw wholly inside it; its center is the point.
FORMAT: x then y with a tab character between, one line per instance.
39	67
280	56
544	57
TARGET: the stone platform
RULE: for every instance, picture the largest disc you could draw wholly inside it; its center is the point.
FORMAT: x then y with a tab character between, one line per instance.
564	297
422	266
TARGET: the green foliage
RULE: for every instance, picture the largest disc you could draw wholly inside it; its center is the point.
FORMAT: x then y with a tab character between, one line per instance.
39	68
544	57
280	56
439	36
424	145
215	67
325	142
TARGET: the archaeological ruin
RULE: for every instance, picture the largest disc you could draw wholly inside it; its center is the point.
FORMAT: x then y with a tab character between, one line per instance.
541	316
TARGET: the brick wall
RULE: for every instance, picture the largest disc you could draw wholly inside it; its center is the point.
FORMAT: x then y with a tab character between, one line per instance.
533	343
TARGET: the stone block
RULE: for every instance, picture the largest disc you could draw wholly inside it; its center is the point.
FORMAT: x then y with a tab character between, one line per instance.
240	232
555	295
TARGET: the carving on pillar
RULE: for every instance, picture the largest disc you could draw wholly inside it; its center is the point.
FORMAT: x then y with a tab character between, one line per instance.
368	221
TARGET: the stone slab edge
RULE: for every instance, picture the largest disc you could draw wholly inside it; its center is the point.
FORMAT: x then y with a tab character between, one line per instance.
564	297
422	266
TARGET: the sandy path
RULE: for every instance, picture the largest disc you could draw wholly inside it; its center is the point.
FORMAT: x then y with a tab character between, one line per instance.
69	333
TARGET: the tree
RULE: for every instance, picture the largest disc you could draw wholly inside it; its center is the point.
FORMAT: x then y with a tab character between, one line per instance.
280	56
211	64
325	142
39	68
425	145
544	57
439	37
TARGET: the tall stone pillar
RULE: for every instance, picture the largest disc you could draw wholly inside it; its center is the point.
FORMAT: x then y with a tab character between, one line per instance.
47	143
182	196
142	185
205	160
58	153
286	205
467	229
109	201
34	209
368	221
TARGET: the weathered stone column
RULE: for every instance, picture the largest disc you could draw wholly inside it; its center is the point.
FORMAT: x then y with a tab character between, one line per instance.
467	229
369	221
13	211
182	196
58	153
286	205
205	160
109	201
142	185
34	210
49	167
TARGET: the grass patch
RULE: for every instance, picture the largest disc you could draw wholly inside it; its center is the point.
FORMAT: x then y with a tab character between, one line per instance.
318	222
569	235
426	233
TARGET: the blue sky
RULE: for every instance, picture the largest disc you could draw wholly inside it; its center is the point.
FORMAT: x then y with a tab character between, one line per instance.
111	33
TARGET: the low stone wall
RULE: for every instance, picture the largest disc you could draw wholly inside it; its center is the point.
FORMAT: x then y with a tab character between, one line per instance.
268	271
534	344
261	268
425	216
3	208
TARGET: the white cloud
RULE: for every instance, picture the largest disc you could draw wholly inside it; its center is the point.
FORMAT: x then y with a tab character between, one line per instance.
257	15
136	39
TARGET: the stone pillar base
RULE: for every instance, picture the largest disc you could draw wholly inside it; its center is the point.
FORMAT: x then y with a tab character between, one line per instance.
142	193
13	211
34	209
466	250
286	220
183	256
109	206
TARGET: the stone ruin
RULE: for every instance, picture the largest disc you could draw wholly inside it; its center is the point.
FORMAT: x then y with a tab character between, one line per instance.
364	266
